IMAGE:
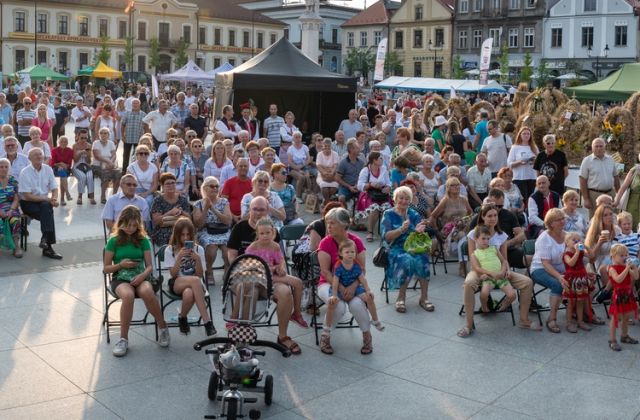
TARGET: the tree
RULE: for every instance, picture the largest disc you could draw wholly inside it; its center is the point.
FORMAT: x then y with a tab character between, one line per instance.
128	53
154	54
527	69
504	63
392	64
360	60
182	55
456	68
543	74
105	52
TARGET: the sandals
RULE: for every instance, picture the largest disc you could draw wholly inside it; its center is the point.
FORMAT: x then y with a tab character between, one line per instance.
553	328
298	319
370	237
367	347
325	344
427	306
17	253
613	345
628	340
293	347
584	327
378	325
597	321
210	280
533	326
400	306
572	327
465	332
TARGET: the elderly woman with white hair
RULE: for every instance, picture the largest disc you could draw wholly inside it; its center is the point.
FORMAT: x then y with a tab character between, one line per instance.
105	162
299	161
35	134
176	165
260	188
398	223
327	163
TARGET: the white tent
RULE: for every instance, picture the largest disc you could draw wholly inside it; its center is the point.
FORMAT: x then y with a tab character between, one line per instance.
190	72
224	67
424	84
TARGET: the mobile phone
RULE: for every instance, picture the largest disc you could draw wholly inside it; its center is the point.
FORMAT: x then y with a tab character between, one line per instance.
188	244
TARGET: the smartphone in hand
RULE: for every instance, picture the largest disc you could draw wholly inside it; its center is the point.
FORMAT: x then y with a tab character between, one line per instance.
188	244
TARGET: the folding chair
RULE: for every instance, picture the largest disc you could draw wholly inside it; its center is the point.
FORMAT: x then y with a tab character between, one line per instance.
165	293
24	231
494	309
600	287
289	236
384	286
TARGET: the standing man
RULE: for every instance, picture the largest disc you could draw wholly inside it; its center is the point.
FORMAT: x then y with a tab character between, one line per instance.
6	113
181	111
35	184
482	131
496	147
24	118
132	128
226	125
195	122
351	125
598	175
62	117
247	122
389	129
158	122
190	99
81	116
272	125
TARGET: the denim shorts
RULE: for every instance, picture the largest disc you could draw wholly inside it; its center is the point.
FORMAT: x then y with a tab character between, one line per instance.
347	194
545	279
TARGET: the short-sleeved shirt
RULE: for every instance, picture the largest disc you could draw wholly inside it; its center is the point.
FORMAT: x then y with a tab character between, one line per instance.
79	113
188	264
552	166
488	258
36	182
127	250
350	170
242	235
497	149
273	125
481	131
506	220
598	173
496	240
548	249
22	114
61	113
234	189
104	149
347	276
119	201
631	241
133	126
196	124
330	246
350	128
159	124
479	181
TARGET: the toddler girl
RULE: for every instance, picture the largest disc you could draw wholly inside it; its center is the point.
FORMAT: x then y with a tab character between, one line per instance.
61	159
623	304
578	287
492	268
266	248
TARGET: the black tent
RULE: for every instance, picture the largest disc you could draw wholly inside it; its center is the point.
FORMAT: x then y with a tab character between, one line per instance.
283	75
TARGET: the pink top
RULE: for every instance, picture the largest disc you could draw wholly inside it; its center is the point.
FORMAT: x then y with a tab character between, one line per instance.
272	257
45	127
330	246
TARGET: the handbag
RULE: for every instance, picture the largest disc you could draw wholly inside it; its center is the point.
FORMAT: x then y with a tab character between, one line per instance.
216	228
376	194
381	257
417	243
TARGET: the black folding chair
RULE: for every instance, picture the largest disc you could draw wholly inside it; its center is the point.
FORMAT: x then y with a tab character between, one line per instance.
289	237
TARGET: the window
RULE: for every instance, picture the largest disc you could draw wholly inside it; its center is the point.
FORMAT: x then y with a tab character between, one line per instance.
142	63
217	36
496	5
399	40
621	36
417	38
200	62
437	69
163	34
20	58
286	33
122	29
514	4
83	58
42	23
122	66
439	37
418	12
186	34
42	58
273	39
529	37
464	6
83	26
513	37
495	34
232	38
334	35
477	38
260	40
531	4
478	5
350	39
20	26
417	69
63	25
245	39
232	61
462	40
377	37
363	39
587	36
142	31
103	25
589	5
63	60
202	35
216	62
556	37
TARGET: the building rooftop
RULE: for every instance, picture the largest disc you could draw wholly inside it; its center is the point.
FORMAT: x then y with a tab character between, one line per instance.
376	14
228	9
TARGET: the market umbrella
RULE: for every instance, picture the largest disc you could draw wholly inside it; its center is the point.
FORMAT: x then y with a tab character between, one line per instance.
105	72
39	72
87	71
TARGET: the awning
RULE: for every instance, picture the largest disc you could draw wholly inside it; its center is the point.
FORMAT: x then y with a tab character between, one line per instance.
426	84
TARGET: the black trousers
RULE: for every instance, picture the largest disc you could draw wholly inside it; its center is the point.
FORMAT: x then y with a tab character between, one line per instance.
42	211
126	155
23	139
56	131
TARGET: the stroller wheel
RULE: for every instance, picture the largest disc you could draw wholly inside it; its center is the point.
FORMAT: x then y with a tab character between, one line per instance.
268	389
213	386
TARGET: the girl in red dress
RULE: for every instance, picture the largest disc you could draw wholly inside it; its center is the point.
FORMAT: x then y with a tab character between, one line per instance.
622	272
578	284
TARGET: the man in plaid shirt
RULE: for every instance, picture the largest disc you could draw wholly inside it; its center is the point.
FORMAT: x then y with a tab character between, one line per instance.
180	110
132	129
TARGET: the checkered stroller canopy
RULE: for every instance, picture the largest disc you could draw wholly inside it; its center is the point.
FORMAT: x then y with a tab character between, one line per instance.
247	283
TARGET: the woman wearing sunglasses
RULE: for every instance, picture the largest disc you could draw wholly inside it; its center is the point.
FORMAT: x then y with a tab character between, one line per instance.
146	174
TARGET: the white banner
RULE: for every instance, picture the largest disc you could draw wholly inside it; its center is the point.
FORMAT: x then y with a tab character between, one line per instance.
485	60
380	56
154	86
25	80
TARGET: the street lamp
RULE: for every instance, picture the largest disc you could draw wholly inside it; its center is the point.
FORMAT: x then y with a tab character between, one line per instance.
131	7
606	53
435	50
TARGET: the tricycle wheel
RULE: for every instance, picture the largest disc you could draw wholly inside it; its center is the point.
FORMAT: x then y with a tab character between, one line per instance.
213	386
268	389
232	409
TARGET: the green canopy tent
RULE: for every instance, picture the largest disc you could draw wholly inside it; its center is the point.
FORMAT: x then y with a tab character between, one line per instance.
39	72
619	86
87	71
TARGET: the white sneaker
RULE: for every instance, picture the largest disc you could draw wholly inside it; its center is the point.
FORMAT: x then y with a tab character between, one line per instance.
121	347
163	338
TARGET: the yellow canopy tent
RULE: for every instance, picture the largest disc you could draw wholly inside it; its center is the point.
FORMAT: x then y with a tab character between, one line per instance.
106	72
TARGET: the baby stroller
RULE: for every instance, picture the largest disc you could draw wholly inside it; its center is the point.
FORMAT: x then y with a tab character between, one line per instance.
246	294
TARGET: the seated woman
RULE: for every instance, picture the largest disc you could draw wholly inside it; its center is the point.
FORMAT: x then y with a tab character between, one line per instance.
36	141
540	202
380	145
253	157
375	188
429	179
268	157
511	192
299	161
127	256
186	263
82	169
145	173
177	166
212	217
10	204
286	192
326	163
166	208
419	203
399	172
260	188
452	172
217	161
337	221
397	224
198	160
61	161
574	221
105	162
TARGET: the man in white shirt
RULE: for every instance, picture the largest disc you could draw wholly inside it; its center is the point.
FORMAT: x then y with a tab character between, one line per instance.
598	175
35	184
496	147
339	144
190	98
351	125
81	115
158	122
478	178
13	151
226	125
389	128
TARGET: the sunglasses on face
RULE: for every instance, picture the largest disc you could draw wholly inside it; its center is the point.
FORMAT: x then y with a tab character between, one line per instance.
212	186
143	153
130	184
263	181
197	146
259	209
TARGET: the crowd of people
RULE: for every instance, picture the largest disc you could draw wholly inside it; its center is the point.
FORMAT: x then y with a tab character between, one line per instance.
471	189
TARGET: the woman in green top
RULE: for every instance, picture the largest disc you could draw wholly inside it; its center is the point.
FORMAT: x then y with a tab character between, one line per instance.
127	256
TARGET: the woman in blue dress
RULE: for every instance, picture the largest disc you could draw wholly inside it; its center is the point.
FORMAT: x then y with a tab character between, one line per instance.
397	223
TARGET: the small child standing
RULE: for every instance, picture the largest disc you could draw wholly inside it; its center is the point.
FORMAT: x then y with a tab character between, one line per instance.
578	287
623	304
61	160
627	237
492	268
